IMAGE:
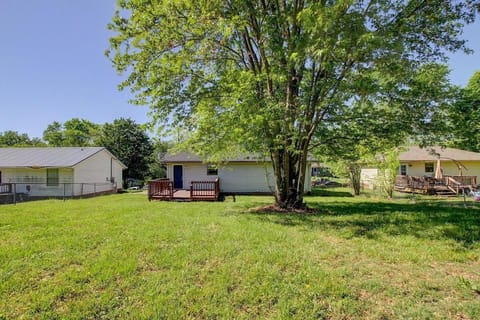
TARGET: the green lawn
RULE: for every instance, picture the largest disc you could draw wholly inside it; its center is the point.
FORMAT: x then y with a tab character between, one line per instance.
122	257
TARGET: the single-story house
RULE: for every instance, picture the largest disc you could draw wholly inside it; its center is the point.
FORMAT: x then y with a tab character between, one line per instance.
430	162
59	172
244	175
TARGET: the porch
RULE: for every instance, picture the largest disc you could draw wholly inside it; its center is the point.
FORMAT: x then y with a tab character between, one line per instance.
6	193
447	185
162	189
6	188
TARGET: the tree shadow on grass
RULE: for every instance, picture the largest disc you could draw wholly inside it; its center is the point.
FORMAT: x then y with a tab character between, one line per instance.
331	193
429	220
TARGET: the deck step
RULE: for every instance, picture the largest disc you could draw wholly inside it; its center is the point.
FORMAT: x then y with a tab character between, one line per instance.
445	193
448	193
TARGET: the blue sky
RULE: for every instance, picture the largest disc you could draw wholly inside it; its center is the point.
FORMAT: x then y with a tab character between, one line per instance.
53	68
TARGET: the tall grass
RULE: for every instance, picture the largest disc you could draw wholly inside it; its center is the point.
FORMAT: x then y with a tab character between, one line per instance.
122	257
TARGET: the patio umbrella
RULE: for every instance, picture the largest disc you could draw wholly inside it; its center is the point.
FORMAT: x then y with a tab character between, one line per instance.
438	171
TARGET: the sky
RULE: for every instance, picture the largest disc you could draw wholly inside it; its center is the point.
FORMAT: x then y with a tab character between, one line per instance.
53	67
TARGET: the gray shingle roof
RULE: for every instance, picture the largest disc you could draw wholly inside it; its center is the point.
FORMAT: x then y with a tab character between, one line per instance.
190	157
184	157
429	154
63	157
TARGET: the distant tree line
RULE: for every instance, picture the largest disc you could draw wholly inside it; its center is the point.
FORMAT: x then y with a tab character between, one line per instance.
11	138
124	138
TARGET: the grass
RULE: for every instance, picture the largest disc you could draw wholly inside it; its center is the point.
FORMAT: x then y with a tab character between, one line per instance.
119	256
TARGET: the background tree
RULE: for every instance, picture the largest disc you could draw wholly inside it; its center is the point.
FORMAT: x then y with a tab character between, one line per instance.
80	132
130	144
53	135
156	168
387	163
73	133
263	76
11	138
464	116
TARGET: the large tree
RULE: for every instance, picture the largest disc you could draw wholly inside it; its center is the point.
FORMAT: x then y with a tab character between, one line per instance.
128	141
263	75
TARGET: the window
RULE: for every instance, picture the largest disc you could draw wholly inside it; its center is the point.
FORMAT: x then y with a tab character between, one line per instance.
212	170
429	167
52	177
403	170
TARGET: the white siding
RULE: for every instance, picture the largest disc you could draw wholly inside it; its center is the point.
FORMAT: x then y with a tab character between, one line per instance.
248	177
169	172
417	169
33	181
241	177
449	168
308	178
473	169
235	177
94	173
368	177
196	172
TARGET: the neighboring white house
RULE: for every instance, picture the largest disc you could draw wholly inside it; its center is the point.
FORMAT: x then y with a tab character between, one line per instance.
57	172
423	162
242	175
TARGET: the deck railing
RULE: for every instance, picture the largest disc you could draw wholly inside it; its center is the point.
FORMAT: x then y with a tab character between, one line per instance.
205	189
6	188
452	184
160	189
464	180
456	184
417	183
461	183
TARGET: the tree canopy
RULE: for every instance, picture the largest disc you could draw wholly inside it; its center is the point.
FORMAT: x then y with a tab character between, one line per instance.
464	116
11	138
363	132
264	76
130	144
73	133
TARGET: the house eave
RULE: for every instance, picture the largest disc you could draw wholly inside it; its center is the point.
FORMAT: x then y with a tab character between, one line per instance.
36	167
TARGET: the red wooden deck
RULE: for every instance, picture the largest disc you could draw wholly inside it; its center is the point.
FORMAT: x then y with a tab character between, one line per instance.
162	189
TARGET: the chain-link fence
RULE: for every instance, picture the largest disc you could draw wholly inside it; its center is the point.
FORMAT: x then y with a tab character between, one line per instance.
15	192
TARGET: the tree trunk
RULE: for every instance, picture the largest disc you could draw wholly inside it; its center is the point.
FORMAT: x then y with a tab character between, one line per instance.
388	183
355	173
290	173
